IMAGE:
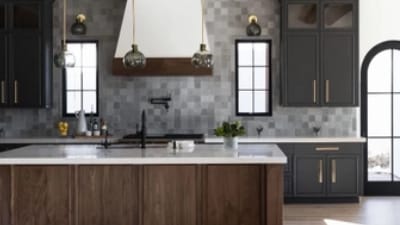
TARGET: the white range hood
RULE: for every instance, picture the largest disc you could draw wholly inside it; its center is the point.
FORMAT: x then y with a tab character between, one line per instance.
164	28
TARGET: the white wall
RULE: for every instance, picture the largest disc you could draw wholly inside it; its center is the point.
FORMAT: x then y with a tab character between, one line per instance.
379	21
163	28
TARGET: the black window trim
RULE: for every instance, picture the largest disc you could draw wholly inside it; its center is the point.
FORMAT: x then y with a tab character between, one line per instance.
64	83
269	96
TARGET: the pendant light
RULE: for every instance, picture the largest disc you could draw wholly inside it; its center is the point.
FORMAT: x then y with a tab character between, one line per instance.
202	58
64	58
134	58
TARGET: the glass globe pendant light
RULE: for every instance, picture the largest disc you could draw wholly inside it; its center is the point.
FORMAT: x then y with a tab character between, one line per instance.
202	58
134	58
64	58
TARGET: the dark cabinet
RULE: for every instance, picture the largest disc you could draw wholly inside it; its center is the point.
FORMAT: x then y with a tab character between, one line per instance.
309	175
25	53
302	54
287	149
327	170
339	67
320	53
343	173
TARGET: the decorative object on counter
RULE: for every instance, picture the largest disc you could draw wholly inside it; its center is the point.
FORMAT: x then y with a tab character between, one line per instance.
103	127
230	131
202	58
82	126
161	101
316	130
63	128
259	130
64	58
253	29
79	27
134	58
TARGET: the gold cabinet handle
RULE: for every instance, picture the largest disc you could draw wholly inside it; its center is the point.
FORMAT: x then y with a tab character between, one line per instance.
15	91
333	171
315	91
3	99
320	174
327	91
322	149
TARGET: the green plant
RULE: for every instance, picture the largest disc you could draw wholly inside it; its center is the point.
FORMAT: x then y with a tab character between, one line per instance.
230	129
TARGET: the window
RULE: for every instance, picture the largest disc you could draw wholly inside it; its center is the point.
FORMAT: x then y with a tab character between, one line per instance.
253	78
80	87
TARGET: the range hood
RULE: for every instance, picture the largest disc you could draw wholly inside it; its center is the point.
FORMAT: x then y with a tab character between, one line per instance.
167	32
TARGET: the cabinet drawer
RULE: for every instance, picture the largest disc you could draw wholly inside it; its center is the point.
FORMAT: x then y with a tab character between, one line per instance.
323	148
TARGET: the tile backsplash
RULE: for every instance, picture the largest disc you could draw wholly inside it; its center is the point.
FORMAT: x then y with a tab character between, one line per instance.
198	103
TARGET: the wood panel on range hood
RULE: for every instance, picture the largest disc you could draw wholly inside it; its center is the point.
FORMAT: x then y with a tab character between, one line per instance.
167	32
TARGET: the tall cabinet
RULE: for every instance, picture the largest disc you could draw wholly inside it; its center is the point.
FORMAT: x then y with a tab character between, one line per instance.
319	52
25	53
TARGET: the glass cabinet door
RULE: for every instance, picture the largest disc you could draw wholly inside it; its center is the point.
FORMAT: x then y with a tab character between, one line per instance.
338	15
26	15
302	16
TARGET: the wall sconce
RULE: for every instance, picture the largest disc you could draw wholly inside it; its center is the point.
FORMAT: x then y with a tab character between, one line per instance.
253	29
79	27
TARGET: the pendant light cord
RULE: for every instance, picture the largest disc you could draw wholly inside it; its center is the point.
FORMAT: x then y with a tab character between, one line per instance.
202	21
133	20
65	26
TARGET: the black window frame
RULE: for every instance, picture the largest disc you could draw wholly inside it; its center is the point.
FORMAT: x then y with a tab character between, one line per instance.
389	187
64	81
269	77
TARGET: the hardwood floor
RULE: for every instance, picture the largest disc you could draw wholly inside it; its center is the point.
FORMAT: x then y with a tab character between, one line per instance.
370	211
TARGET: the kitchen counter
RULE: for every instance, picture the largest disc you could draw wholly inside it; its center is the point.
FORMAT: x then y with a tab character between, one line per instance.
211	140
57	140
128	155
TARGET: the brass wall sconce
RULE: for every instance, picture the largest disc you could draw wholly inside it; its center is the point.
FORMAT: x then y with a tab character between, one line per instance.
79	27
253	29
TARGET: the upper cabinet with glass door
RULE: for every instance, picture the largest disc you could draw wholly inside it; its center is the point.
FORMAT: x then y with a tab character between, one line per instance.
316	14
338	15
302	15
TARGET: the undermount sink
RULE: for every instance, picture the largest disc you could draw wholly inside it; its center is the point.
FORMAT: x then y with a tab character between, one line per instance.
131	146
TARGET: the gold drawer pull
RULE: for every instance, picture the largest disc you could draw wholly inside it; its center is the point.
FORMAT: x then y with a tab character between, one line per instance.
314	91
322	149
333	171
327	91
320	174
16	92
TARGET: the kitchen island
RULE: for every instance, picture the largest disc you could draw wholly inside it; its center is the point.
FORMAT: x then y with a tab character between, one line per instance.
84	184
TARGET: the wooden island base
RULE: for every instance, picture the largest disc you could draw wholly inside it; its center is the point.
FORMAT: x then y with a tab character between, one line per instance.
141	195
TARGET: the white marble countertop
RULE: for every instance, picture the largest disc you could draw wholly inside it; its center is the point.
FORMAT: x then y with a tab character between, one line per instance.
291	140
90	140
56	140
154	154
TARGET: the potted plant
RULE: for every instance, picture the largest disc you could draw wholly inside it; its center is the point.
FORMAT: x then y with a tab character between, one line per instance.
230	131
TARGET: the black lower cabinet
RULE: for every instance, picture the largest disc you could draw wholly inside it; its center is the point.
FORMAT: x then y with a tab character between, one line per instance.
324	172
343	172
309	176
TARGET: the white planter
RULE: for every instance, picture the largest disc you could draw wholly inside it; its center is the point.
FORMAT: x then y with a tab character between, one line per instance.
231	142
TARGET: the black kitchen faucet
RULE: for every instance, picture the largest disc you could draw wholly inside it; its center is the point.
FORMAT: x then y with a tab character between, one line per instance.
143	131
